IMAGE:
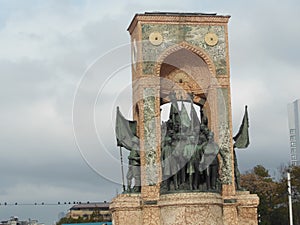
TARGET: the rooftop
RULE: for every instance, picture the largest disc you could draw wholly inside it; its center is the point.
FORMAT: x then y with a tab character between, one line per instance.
179	14
103	205
177	17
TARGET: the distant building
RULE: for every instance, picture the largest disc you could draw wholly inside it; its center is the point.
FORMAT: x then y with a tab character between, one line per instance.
86	210
14	220
294	131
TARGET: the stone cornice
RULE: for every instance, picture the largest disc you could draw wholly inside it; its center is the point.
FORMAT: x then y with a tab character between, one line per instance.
177	19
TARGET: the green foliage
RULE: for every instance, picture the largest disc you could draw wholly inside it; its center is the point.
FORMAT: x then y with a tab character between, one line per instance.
70	220
273	207
261	171
97	217
295	177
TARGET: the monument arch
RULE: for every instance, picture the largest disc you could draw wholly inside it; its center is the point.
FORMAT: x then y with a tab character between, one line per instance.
182	56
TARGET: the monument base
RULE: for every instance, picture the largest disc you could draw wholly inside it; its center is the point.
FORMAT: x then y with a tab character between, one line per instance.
186	208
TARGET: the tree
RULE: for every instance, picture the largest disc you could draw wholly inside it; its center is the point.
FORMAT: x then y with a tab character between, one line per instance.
295	183
295	178
273	207
261	171
65	220
259	181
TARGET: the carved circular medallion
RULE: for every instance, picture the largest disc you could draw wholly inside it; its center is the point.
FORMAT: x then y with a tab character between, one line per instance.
211	39
181	77
155	38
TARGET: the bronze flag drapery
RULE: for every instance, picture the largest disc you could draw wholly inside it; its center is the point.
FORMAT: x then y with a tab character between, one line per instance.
184	117
174	117
195	122
242	137
125	131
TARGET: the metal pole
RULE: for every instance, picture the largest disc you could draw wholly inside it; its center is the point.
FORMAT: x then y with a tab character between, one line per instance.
290	197
122	168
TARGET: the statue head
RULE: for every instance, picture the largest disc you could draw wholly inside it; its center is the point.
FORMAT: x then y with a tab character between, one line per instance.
191	138
211	136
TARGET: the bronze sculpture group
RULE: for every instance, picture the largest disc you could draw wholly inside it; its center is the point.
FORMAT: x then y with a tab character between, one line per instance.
189	154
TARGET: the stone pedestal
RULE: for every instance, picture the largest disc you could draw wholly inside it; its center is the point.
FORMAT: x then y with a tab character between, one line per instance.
191	208
247	207
127	209
186	208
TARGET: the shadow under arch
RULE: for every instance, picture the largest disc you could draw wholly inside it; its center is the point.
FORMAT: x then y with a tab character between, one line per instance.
184	45
186	69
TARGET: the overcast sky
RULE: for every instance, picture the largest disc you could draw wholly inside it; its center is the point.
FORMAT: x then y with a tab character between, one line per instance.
49	48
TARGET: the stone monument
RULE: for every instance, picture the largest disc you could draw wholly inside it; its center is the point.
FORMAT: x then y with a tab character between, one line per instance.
186	172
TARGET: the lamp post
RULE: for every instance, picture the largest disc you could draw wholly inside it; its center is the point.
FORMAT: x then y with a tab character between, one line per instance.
290	197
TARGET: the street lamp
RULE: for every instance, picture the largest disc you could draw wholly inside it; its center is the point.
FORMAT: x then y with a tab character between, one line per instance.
290	197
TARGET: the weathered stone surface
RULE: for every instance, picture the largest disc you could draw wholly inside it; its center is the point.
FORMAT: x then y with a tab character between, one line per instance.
226	155
126	209
177	33
151	215
151	170
247	208
191	208
186	208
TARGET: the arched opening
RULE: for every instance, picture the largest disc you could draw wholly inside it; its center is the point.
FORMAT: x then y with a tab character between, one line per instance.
185	82
165	110
187	74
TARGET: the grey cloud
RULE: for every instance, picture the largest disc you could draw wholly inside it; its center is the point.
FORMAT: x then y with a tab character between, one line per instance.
37	143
